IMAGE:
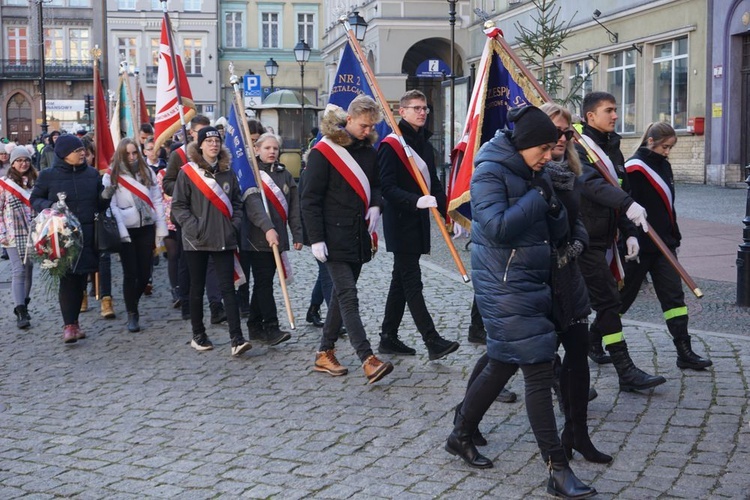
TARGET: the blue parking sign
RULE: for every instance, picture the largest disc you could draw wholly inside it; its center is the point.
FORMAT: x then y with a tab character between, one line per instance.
252	86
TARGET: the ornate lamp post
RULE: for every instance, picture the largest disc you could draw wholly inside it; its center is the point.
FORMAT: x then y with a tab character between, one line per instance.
452	117
272	69
302	55
42	76
743	254
358	24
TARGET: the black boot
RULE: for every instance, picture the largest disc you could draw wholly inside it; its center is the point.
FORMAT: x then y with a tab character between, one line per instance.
686	358
477	437
563	482
26	303
133	325
275	335
313	316
438	347
218	314
477	334
255	331
596	353
631	378
22	317
460	443
391	344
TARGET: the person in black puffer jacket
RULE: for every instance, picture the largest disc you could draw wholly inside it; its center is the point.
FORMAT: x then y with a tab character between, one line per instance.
516	217
83	188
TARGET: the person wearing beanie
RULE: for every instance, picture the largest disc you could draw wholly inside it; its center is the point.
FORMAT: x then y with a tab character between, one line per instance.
210	225
15	220
516	217
82	185
48	153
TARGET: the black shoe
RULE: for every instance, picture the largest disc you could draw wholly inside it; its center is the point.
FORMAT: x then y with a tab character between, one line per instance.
506	396
581	442
460	443
22	317
477	334
133	325
564	483
218	314
686	358
393	345
630	377
255	331
438	347
313	316
593	394
274	335
201	343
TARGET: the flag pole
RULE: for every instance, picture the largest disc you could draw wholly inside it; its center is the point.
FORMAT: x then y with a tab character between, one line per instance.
170	41
598	163
131	103
354	43
239	110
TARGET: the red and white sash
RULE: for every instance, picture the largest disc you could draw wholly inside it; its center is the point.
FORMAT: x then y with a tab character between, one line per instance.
602	156
136	189
393	141
350	170
182	153
275	197
656	181
219	199
13	188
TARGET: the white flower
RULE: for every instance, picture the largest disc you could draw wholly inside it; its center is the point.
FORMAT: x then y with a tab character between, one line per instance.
49	264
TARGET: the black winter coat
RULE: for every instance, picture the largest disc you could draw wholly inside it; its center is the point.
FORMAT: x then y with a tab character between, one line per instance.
83	186
603	205
406	227
644	193
511	232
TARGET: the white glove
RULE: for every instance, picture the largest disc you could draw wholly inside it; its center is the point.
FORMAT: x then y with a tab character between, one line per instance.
320	251
633	248
426	202
373	216
458	230
637	214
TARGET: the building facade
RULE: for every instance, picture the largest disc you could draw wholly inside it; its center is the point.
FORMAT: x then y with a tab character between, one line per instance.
71	28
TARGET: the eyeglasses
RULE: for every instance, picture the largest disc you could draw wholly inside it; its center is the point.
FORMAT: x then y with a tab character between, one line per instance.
568	133
23	160
419	109
212	140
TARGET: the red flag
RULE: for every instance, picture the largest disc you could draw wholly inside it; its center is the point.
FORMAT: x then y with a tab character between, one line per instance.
144	110
105	149
167	120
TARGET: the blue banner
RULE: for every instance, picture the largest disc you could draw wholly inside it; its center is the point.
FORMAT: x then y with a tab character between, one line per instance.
240	162
350	82
503	93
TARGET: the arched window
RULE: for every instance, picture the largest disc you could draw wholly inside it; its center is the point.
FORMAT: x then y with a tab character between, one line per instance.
19	119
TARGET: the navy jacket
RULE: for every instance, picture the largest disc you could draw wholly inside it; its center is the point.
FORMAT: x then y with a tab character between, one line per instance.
511	233
83	187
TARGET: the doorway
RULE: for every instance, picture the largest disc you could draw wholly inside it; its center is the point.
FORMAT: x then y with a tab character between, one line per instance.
19	119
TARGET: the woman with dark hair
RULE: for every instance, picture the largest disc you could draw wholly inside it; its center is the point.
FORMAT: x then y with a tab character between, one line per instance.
137	207
516	216
16	215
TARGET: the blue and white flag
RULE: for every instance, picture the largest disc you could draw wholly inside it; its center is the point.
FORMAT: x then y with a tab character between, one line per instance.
240	160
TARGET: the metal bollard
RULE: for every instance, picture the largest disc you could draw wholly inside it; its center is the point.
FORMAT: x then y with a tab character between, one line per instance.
743	254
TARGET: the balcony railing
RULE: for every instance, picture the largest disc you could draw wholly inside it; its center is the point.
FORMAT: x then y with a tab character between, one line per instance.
61	69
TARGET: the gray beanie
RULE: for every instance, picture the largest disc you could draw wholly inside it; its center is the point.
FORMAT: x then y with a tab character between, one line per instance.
19	152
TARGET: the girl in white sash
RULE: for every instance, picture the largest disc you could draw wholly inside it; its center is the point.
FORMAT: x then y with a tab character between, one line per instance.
17	214
137	206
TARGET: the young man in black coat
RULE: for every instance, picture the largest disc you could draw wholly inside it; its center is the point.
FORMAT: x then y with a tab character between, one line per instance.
406	223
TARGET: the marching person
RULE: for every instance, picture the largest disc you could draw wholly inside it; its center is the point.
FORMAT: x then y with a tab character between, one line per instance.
136	203
83	186
605	210
515	218
406	223
341	207
570	297
652	185
16	216
206	203
264	230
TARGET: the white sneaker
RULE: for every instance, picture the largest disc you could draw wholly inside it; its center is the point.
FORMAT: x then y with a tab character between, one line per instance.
240	348
203	345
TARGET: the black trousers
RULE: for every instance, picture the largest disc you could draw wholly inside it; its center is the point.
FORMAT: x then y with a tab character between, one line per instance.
197	262
494	375
262	303
183	276
603	292
136	258
70	296
406	288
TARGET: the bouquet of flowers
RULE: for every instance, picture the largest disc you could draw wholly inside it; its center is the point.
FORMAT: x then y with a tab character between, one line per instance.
56	239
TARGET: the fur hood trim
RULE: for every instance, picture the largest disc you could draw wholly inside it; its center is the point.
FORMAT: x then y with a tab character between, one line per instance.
194	155
333	124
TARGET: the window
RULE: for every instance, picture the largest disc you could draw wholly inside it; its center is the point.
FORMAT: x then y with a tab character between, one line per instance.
233	34
17	2
621	84
269	30
192	5
127	51
306	28
671	82
581	82
192	55
80	3
53	45
156	5
18	45
126	4
155	50
80	45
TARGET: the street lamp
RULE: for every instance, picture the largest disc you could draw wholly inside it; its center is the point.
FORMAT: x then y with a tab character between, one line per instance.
358	24
272	69
302	55
42	76
452	117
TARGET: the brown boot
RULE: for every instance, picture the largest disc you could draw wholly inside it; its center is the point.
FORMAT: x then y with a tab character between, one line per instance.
376	369
107	311
326	362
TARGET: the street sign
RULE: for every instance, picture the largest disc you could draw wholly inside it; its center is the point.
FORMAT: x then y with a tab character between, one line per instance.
252	86
433	68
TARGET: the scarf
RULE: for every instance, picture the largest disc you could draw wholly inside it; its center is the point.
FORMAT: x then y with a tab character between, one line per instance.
563	178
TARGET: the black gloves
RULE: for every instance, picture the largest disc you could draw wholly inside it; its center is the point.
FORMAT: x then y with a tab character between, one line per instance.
569	253
542	185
